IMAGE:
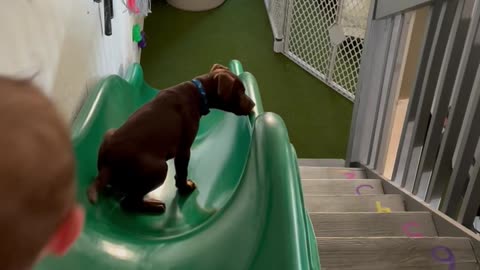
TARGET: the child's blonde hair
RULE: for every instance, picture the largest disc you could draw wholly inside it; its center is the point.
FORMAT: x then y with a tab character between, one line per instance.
37	186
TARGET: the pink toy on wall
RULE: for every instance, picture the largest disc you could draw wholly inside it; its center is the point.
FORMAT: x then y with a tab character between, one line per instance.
132	6
139	7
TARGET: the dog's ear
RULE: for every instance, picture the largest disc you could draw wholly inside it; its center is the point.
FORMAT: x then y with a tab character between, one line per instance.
217	67
225	84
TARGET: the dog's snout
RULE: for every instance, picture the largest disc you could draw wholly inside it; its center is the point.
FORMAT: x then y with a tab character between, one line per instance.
250	105
246	105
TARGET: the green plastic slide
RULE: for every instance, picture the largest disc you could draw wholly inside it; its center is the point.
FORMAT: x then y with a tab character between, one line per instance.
247	212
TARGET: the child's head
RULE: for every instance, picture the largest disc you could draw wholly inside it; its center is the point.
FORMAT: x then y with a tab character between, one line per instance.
38	212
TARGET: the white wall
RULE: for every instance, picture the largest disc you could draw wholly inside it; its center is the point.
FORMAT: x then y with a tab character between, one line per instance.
88	55
31	36
61	45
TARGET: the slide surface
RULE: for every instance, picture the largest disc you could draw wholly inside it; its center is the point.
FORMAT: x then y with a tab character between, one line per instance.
247	212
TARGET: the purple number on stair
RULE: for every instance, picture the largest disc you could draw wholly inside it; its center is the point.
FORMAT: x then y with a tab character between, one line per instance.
406	229
357	190
438	254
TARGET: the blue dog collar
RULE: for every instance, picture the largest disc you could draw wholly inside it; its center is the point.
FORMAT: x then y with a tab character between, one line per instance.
204	109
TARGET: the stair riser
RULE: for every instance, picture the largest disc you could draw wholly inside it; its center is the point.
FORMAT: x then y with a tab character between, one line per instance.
394	253
342	187
408	224
331	173
366	203
339	163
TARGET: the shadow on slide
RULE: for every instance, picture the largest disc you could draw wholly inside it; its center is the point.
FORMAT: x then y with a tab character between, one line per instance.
247	212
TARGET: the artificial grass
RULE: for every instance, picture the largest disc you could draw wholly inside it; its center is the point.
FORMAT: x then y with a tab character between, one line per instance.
182	45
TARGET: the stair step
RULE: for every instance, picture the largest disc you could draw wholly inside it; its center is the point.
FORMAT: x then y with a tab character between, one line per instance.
373	224
307	172
310	162
392	253
342	187
353	203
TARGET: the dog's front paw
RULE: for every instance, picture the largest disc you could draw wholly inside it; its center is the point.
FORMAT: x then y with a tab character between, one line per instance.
92	195
187	189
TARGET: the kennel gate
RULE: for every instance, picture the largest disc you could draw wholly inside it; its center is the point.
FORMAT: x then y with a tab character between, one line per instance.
325	37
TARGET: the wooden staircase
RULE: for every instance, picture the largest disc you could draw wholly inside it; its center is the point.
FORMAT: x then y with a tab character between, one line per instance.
359	227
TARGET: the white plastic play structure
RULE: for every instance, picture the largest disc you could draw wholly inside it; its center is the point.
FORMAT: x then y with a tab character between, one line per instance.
195	5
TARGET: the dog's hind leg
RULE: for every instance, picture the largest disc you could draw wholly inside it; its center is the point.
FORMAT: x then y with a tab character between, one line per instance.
183	184
153	176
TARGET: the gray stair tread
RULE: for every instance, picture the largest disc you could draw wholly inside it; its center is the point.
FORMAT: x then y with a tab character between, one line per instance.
373	224
342	187
393	253
322	162
307	172
353	203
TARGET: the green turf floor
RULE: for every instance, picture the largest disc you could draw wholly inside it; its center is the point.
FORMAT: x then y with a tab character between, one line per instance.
183	44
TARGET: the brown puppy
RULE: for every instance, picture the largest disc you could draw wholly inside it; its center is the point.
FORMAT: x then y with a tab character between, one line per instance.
132	159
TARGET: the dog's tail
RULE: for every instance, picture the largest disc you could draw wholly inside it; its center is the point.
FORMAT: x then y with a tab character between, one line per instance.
98	185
